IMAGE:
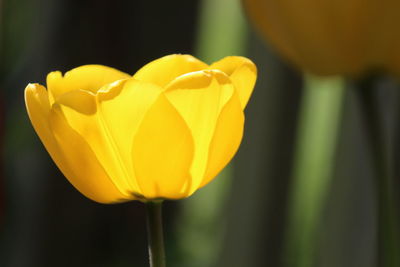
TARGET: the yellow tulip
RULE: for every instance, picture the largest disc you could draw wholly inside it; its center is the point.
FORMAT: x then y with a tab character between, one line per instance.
332	37
164	132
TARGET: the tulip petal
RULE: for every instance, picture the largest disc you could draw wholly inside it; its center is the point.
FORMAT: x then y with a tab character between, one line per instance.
99	188
163	70
87	77
226	139
85	171
162	152
242	72
38	107
92	129
121	109
199	97
79	100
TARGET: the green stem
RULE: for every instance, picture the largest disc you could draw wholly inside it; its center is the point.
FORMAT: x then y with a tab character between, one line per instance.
155	234
388	238
319	123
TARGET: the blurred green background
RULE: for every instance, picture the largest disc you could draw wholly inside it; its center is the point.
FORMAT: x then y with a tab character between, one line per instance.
300	192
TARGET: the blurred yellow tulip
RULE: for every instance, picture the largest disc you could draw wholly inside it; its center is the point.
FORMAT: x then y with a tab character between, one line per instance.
330	37
164	132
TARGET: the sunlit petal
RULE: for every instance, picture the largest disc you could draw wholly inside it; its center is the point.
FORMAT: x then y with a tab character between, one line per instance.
94	131
87	77
243	74
162	152
226	139
163	70
90	180
38	107
199	97
121	109
82	167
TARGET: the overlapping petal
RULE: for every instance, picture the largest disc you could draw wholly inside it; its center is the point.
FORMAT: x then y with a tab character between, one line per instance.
162	152
87	77
120	112
109	130
226	138
242	72
199	97
81	165
71	152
